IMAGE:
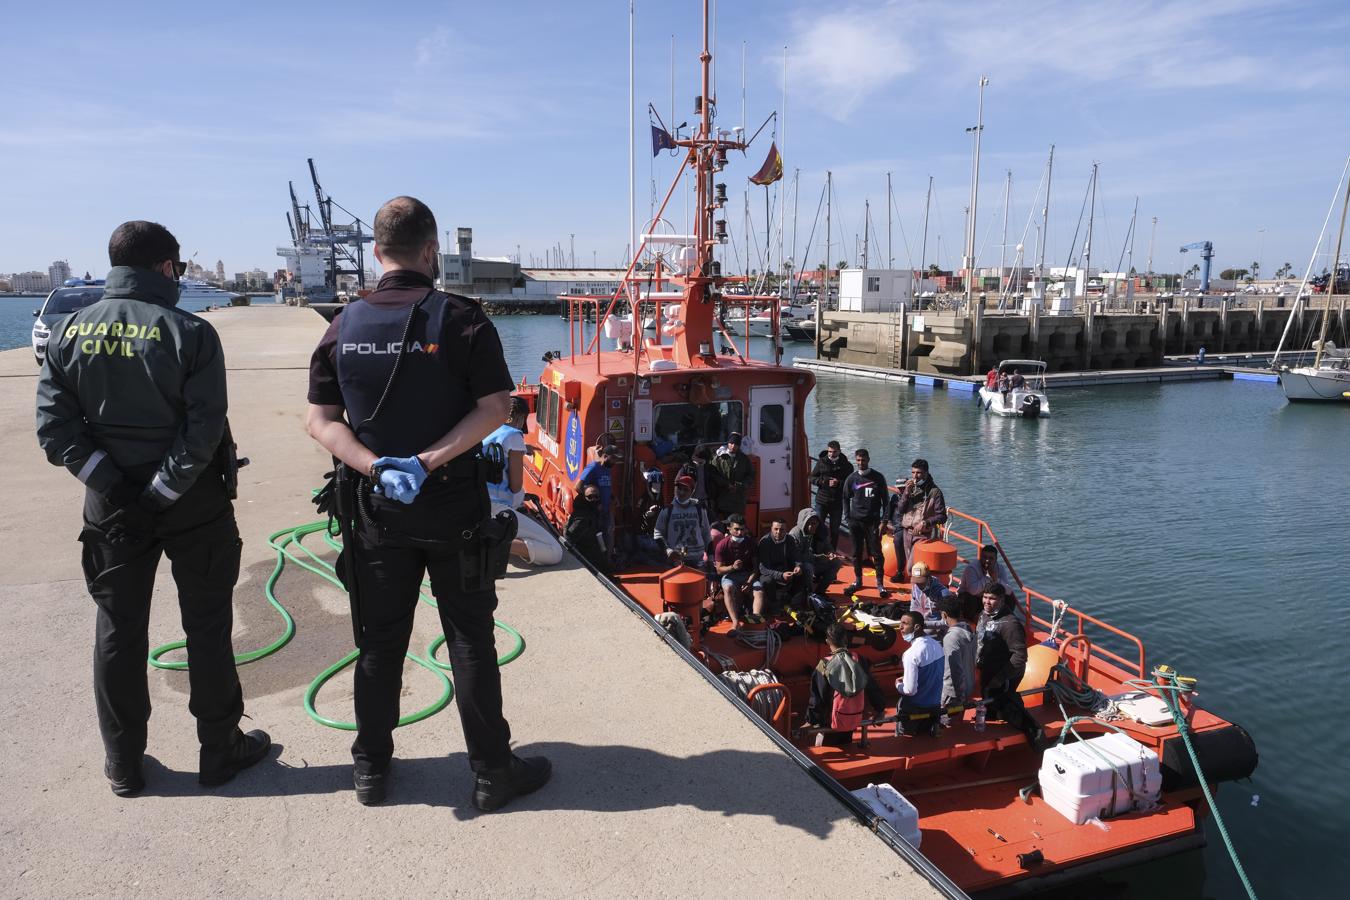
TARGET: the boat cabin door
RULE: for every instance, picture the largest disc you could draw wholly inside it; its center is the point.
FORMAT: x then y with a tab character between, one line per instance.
769	436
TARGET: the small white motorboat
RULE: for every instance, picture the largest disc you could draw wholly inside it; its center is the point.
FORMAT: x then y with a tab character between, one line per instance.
1018	391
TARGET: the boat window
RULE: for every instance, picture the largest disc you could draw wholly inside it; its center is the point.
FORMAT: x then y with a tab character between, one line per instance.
547	414
873	283
771	424
686	425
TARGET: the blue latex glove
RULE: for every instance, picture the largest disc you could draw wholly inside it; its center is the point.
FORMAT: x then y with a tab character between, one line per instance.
400	478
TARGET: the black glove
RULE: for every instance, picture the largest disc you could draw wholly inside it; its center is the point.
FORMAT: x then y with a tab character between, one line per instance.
131	521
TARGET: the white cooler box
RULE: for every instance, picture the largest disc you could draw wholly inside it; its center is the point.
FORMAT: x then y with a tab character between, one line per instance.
891	805
1079	784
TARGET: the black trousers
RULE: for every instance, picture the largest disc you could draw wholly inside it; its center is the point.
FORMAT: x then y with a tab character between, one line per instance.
390	573
866	537
821	700
199	535
831	514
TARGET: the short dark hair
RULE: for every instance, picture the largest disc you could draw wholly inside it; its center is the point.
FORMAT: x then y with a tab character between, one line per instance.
141	244
862	451
518	408
989	550
832	445
919	463
778	520
914	616
994	588
403	226
836	635
951	606
736	519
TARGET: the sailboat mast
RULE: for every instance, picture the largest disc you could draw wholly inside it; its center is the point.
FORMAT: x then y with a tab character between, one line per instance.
632	198
796	192
974	196
1331	283
1129	267
867	218
1045	220
890	255
1087	243
923	254
823	297
1003	248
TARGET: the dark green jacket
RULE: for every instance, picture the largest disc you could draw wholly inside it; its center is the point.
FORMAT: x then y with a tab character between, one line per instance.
132	382
736	473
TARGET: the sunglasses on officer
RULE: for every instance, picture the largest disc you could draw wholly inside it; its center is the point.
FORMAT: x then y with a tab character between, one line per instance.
179	267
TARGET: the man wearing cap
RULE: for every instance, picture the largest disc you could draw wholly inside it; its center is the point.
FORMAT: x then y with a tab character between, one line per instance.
597	475
828	475
925	591
736	473
682	528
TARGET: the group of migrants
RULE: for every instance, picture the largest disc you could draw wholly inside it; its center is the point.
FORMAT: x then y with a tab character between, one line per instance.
144	429
963	640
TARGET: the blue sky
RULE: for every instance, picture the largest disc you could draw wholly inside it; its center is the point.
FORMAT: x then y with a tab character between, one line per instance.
1224	117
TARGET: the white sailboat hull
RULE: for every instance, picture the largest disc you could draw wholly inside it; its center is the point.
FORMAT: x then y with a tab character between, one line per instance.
1321	384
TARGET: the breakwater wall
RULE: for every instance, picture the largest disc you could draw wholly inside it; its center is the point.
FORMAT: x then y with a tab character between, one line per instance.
970	341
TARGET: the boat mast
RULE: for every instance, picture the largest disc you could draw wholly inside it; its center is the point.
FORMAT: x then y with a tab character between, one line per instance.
1087	242
824	295
890	255
792	275
867	218
1045	224
632	201
1129	267
1003	248
1331	283
974	196
923	254
1152	234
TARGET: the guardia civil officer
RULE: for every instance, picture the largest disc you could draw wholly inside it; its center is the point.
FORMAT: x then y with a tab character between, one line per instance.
404	386
132	401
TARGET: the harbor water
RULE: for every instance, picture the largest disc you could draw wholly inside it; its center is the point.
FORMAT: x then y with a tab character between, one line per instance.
1206	518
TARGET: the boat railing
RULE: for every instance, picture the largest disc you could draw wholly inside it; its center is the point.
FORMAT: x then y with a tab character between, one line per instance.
1042	610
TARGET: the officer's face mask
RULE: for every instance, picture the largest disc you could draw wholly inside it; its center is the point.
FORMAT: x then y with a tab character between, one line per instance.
436	266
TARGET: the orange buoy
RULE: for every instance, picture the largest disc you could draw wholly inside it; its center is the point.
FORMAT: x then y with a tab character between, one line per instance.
1041	658
939	555
892	565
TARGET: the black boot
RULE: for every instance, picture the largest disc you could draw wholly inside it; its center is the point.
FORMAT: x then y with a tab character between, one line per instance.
494	788
218	764
127	779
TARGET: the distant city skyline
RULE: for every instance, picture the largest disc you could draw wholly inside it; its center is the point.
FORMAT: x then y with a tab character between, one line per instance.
1219	117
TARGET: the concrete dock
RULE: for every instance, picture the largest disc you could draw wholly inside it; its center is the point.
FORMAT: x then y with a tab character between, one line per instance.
661	787
1168	374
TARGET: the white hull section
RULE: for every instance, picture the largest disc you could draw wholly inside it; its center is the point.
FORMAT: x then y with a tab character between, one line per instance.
1029	404
1307	383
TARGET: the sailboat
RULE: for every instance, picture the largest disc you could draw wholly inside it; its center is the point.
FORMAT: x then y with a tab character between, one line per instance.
1328	378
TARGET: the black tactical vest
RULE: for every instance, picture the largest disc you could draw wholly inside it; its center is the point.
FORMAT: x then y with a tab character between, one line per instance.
429	396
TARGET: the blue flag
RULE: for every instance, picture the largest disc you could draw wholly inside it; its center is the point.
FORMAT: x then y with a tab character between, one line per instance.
661	140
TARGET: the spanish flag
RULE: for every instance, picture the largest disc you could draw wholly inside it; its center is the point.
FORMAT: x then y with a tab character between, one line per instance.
772	170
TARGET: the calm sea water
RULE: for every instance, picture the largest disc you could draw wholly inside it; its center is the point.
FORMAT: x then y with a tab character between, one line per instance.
1208	518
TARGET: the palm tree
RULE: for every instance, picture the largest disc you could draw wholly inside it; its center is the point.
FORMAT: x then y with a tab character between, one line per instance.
1255	270
1284	271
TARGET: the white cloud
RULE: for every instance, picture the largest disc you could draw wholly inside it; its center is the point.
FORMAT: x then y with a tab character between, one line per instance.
846	58
843	58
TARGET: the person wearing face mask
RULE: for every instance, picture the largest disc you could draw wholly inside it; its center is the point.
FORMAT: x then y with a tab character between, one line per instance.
404	386
1001	657
682	528
131	400
921	685
864	503
917	512
734	557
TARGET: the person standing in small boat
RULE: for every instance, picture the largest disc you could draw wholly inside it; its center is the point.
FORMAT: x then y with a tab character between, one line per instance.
828	475
736	473
917	511
865	497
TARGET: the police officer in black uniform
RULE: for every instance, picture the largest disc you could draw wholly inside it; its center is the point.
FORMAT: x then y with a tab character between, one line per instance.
404	386
132	401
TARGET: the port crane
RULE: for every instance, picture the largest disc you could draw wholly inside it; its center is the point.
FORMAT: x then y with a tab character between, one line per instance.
322	250
1206	249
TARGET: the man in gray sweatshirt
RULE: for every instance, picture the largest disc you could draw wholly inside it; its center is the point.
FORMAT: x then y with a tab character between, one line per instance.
958	655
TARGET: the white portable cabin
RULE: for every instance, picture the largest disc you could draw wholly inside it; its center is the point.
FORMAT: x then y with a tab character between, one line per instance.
875	290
